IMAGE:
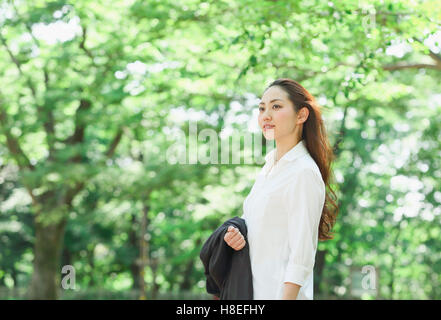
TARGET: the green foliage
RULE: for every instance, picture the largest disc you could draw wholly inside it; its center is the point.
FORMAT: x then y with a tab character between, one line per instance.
86	122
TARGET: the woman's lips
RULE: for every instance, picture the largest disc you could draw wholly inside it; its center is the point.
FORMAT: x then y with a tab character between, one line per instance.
268	127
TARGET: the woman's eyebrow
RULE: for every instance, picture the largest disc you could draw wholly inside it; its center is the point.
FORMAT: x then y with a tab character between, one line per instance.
261	102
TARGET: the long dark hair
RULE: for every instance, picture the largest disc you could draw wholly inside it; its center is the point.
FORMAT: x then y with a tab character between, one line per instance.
317	143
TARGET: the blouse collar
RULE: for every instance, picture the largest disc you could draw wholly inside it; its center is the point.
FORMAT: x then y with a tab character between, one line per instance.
295	152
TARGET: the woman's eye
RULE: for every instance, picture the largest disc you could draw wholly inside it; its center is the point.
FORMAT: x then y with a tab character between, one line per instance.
274	106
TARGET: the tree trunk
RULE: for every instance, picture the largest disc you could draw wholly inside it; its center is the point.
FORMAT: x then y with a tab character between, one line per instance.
188	282
144	249
45	283
91	260
66	257
14	276
134	243
319	265
394	261
155	286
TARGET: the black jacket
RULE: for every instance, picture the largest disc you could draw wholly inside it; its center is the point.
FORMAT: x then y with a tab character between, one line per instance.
228	271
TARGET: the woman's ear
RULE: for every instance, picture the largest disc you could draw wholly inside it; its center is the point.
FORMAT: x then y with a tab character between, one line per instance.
302	115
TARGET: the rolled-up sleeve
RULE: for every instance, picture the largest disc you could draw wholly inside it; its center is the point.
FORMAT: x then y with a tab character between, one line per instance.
305	198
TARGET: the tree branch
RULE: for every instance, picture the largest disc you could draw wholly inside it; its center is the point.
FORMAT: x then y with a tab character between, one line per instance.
83	47
308	73
80	124
412	66
80	127
12	142
11	55
72	192
45	113
28	27
433	55
341	134
116	140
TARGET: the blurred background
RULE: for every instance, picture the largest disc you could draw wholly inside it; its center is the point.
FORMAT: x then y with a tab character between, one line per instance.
94	93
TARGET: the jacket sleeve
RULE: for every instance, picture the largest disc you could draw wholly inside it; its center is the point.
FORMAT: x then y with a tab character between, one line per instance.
216	258
305	198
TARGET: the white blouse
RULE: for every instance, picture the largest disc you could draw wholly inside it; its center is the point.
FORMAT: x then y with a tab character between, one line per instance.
282	213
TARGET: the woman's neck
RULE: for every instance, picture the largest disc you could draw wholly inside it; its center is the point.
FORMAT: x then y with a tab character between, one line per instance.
283	146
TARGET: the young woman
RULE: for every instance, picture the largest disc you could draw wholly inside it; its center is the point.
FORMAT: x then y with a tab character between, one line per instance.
288	209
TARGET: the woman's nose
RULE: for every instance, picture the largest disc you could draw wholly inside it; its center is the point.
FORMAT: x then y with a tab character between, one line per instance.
266	115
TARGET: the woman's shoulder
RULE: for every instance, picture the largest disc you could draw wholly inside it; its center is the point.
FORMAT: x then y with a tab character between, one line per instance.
306	163
306	169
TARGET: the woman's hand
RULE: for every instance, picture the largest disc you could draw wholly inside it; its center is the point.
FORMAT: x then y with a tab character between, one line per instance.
234	238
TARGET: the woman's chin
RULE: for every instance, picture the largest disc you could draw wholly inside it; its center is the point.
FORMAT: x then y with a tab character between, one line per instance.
269	134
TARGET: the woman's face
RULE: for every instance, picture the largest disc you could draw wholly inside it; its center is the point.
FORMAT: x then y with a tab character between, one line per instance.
277	111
